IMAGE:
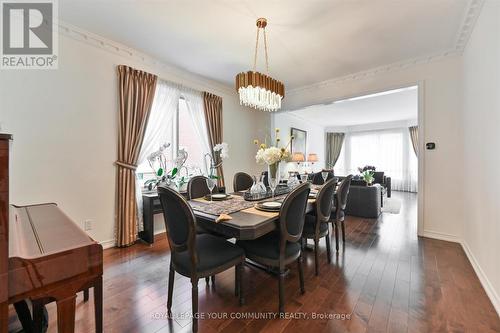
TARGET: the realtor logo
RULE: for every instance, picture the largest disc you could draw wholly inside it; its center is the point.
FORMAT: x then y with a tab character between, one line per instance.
29	34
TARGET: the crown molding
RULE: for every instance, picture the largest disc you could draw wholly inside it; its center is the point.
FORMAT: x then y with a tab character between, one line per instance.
467	26
375	71
176	73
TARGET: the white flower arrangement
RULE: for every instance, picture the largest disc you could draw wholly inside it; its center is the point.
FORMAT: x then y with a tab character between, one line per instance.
159	164
222	149
272	154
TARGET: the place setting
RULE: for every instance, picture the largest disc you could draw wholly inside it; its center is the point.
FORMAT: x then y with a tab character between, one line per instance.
269	206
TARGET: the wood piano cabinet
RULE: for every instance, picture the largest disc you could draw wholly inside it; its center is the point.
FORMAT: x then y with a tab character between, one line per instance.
51	259
44	257
4	229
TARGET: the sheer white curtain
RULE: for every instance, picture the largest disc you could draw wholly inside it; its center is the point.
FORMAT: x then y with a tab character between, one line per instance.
388	150
196	110
158	131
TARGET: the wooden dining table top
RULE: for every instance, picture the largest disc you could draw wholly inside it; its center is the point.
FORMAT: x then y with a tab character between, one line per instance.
248	223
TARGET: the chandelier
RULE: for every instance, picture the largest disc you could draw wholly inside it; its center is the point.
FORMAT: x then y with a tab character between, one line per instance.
257	90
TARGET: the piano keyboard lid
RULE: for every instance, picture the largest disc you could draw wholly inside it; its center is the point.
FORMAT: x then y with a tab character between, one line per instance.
40	230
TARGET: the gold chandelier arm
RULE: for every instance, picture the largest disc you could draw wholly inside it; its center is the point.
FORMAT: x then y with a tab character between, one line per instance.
256	48
265	49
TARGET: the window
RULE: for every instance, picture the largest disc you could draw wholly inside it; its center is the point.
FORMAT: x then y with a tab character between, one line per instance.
388	150
181	134
188	138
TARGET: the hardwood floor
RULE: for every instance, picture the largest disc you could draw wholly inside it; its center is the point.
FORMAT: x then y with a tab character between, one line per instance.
386	279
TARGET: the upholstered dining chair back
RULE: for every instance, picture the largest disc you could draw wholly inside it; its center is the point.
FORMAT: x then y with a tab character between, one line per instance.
197	187
318	178
343	192
242	181
292	214
179	221
324	200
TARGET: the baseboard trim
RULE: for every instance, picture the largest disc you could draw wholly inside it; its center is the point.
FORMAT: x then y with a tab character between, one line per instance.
441	236
108	244
485	282
112	242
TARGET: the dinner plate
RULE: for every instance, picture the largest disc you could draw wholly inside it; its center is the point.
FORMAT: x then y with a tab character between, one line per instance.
218	196
271	204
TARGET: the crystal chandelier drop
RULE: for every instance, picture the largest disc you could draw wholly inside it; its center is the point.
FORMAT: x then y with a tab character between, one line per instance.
257	90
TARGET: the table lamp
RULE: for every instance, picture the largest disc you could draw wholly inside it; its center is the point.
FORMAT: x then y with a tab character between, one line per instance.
312	158
298	158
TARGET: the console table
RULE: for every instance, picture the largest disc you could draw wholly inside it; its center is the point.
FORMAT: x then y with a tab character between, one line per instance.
150	206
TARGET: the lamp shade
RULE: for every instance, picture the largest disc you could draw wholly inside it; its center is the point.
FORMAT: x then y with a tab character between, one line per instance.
312	158
298	157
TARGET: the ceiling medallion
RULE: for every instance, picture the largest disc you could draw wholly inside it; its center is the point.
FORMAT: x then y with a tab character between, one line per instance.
257	90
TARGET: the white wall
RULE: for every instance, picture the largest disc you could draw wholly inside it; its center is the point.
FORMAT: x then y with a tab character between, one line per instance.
481	142
442	203
64	124
315	138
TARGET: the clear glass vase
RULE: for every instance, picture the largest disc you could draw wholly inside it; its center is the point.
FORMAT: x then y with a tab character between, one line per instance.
273	176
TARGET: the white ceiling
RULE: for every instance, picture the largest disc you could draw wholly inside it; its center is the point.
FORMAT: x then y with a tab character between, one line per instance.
309	41
380	108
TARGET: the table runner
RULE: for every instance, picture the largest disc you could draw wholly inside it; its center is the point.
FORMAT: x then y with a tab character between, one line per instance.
229	206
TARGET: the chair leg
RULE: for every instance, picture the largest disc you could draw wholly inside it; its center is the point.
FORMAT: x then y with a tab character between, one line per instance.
37	308
301	274
336	227
343	231
316	256
98	304
328	247
236	281
194	300
207	279
171	278
85	294
281	287
239	269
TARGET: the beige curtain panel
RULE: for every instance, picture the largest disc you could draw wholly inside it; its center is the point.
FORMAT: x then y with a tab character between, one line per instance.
136	92
414	138
213	118
334	142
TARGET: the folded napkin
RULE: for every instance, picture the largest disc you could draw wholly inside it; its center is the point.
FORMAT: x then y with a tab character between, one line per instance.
223	217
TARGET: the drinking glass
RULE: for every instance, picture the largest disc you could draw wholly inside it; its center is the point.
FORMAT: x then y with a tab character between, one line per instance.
273	183
324	174
211	186
303	178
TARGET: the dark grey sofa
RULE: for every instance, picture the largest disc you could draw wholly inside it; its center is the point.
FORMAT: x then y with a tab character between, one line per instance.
364	201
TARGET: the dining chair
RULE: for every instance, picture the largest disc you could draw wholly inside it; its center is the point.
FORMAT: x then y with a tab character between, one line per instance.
197	187
316	224
280	248
338	214
195	255
317	178
242	181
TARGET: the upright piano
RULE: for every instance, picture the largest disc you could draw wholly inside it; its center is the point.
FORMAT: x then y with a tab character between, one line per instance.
49	259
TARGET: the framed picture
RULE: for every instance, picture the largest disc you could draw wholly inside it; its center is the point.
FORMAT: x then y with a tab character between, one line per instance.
299	141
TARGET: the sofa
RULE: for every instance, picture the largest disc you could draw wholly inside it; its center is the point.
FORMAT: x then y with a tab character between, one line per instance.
364	201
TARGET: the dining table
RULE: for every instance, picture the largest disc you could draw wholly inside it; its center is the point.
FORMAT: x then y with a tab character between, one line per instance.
246	221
